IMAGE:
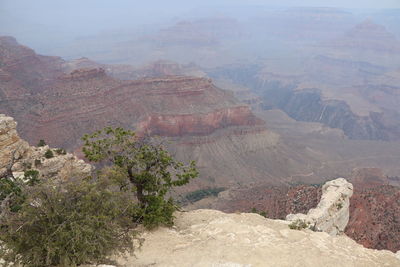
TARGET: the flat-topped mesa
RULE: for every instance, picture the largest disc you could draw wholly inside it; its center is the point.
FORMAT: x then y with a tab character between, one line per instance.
332	213
199	123
17	156
173	85
84	74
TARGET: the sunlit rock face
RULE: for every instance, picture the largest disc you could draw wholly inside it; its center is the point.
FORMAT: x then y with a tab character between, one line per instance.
17	156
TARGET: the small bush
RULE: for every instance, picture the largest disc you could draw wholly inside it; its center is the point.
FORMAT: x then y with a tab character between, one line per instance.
61	151
78	222
41	143
259	212
202	193
49	154
31	177
339	205
298	225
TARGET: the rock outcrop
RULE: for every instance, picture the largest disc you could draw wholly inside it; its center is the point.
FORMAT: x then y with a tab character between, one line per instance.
213	238
374	206
198	124
17	156
332	212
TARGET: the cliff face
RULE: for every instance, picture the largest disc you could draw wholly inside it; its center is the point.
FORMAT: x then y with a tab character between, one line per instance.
374	211
308	105
200	121
16	156
213	238
198	124
60	106
350	83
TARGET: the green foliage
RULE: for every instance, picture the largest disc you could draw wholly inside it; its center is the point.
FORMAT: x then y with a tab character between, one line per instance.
145	169
339	205
260	212
49	154
202	193
77	222
61	151
31	177
298	225
41	143
11	188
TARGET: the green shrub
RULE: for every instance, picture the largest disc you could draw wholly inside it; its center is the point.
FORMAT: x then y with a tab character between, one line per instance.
31	177
11	189
61	151
202	193
41	143
77	222
49	154
260	212
298	225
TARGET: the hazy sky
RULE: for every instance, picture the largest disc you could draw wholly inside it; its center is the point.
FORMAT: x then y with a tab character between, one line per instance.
35	20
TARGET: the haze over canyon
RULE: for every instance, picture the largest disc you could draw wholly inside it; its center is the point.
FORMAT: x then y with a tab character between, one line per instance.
270	101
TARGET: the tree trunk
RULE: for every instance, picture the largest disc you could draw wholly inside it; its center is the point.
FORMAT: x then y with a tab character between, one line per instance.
139	189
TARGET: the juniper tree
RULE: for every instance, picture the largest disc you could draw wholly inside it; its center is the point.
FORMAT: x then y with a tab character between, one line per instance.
145	168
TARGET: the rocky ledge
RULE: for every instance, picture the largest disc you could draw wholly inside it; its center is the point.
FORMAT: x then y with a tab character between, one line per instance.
17	156
214	238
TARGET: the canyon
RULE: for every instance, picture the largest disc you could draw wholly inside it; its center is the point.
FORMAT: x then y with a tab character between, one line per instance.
256	152
374	205
348	83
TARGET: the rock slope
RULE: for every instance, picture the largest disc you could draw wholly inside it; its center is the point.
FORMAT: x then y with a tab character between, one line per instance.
17	156
213	238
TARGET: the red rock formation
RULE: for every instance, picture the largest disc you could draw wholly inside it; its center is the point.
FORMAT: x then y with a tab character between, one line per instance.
277	201
198	124
84	74
374	211
64	102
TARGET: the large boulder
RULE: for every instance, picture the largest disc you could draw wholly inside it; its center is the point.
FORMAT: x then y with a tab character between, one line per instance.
332	212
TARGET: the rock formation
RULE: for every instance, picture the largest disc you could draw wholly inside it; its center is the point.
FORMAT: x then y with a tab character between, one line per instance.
213	238
332	212
17	156
60	101
374	206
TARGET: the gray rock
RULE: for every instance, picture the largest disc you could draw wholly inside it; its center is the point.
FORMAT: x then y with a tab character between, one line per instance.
332	213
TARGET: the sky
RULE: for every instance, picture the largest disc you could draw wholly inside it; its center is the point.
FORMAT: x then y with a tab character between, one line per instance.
35	20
